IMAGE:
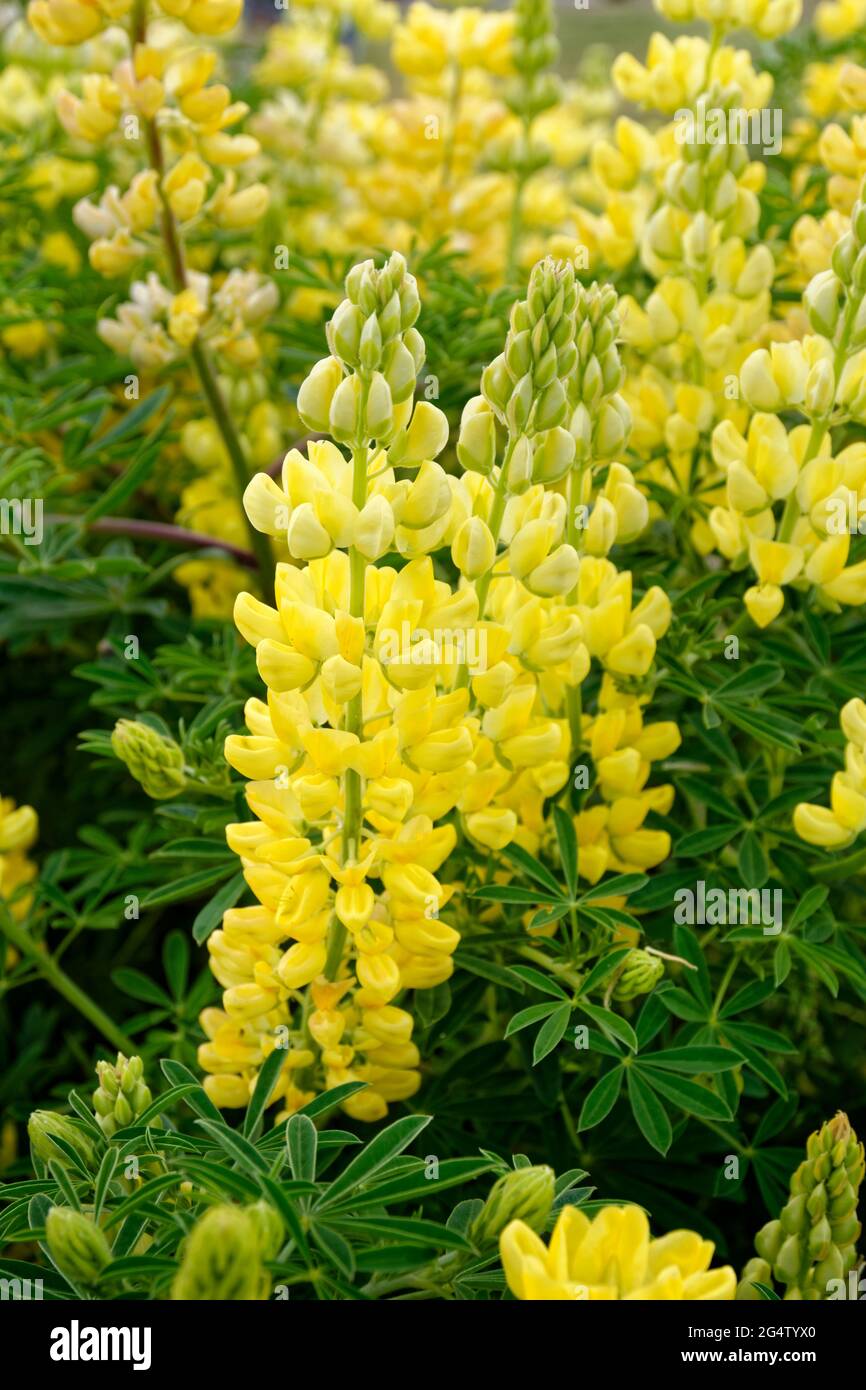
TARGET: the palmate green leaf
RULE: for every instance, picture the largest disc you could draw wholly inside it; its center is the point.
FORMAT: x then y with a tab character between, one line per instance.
175	959
567	842
759	1036
85	1114
323	1104
194	849
129	425
759	1064
451	1173
410	1230
265	1082
694	1099
393	1259
660	890
768	727
337	1250
487	970
235	1145
546	916
611	917
684	1005
752	680
652	1017
611	1024
432	1004
649	1113
621	885
137	1267
64	1182
211	914
521	859
139	986
220	1179
568	1179
749	997
813	899
388	1143
286	1208
23	1269
686	944
191	886
765	1291
813	956
847	964
708	794
601	1099
124	486
146	1194
197	1099
700	842
781	963
546	983
103	1179
695	1059
551	1033
603	968
533	1014
301	1145
752	862
74	1158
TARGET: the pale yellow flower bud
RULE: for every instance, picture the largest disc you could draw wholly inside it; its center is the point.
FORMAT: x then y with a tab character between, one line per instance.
474	549
317	393
853	721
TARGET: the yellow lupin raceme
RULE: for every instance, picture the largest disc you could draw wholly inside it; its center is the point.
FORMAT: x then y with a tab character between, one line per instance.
363	745
575	605
696	216
792	503
611	1256
836	826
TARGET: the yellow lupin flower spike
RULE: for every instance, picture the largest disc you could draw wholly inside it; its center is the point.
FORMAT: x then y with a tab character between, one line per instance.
360	747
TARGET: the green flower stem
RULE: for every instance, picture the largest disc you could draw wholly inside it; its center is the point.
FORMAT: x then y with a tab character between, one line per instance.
515	229
204	370
352	811
59	980
574	536
219	410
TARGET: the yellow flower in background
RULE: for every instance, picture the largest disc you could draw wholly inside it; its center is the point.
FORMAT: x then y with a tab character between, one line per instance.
611	1256
19	828
837	826
838	19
